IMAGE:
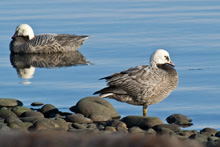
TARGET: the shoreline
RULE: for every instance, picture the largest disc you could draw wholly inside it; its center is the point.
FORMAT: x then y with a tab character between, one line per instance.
94	116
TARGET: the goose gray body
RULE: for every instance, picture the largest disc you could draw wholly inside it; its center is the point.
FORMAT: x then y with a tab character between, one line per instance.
24	41
143	85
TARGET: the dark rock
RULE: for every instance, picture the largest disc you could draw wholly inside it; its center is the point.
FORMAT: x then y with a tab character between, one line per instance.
213	138
213	142
45	123
95	108
6	102
4	127
110	128
79	126
180	120
12	119
208	132
135	130
32	114
17	125
151	131
172	127
36	104
18	110
165	131
78	118
91	126
49	110
61	122
200	138
187	133
31	119
217	134
119	125
4	113
141	121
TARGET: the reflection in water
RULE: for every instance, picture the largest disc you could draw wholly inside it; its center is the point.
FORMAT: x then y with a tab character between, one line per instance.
25	63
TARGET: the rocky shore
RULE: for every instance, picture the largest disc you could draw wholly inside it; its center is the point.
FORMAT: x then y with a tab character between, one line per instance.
95	122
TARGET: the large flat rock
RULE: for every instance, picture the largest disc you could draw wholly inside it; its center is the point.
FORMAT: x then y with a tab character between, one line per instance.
7	102
95	108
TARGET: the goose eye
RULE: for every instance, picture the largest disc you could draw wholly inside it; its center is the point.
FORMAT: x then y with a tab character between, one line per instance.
167	58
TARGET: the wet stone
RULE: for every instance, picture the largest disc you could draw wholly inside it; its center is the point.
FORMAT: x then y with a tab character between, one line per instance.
78	118
95	108
208	132
7	102
200	138
12	119
4	127
217	134
180	120
31	119
36	104
135	130
172	127
110	128
18	110
79	126
49	110
91	126
32	114
45	123
141	121
165	131
151	131
187	133
119	125
17	125
4	113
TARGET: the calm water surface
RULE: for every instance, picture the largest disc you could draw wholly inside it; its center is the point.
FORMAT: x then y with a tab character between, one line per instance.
125	33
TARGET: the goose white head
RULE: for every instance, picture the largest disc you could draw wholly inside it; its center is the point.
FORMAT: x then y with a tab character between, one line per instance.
24	30
160	56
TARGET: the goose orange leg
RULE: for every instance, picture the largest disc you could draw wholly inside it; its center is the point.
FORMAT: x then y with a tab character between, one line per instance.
145	110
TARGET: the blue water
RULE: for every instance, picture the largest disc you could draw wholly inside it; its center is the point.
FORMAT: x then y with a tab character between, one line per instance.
125	33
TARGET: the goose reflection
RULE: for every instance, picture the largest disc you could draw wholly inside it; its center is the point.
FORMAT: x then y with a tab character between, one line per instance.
25	64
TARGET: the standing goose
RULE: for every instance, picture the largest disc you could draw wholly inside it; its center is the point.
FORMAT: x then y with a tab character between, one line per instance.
24	41
143	85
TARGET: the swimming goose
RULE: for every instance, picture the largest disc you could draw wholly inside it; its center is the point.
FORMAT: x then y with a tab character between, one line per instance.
24	41
143	85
